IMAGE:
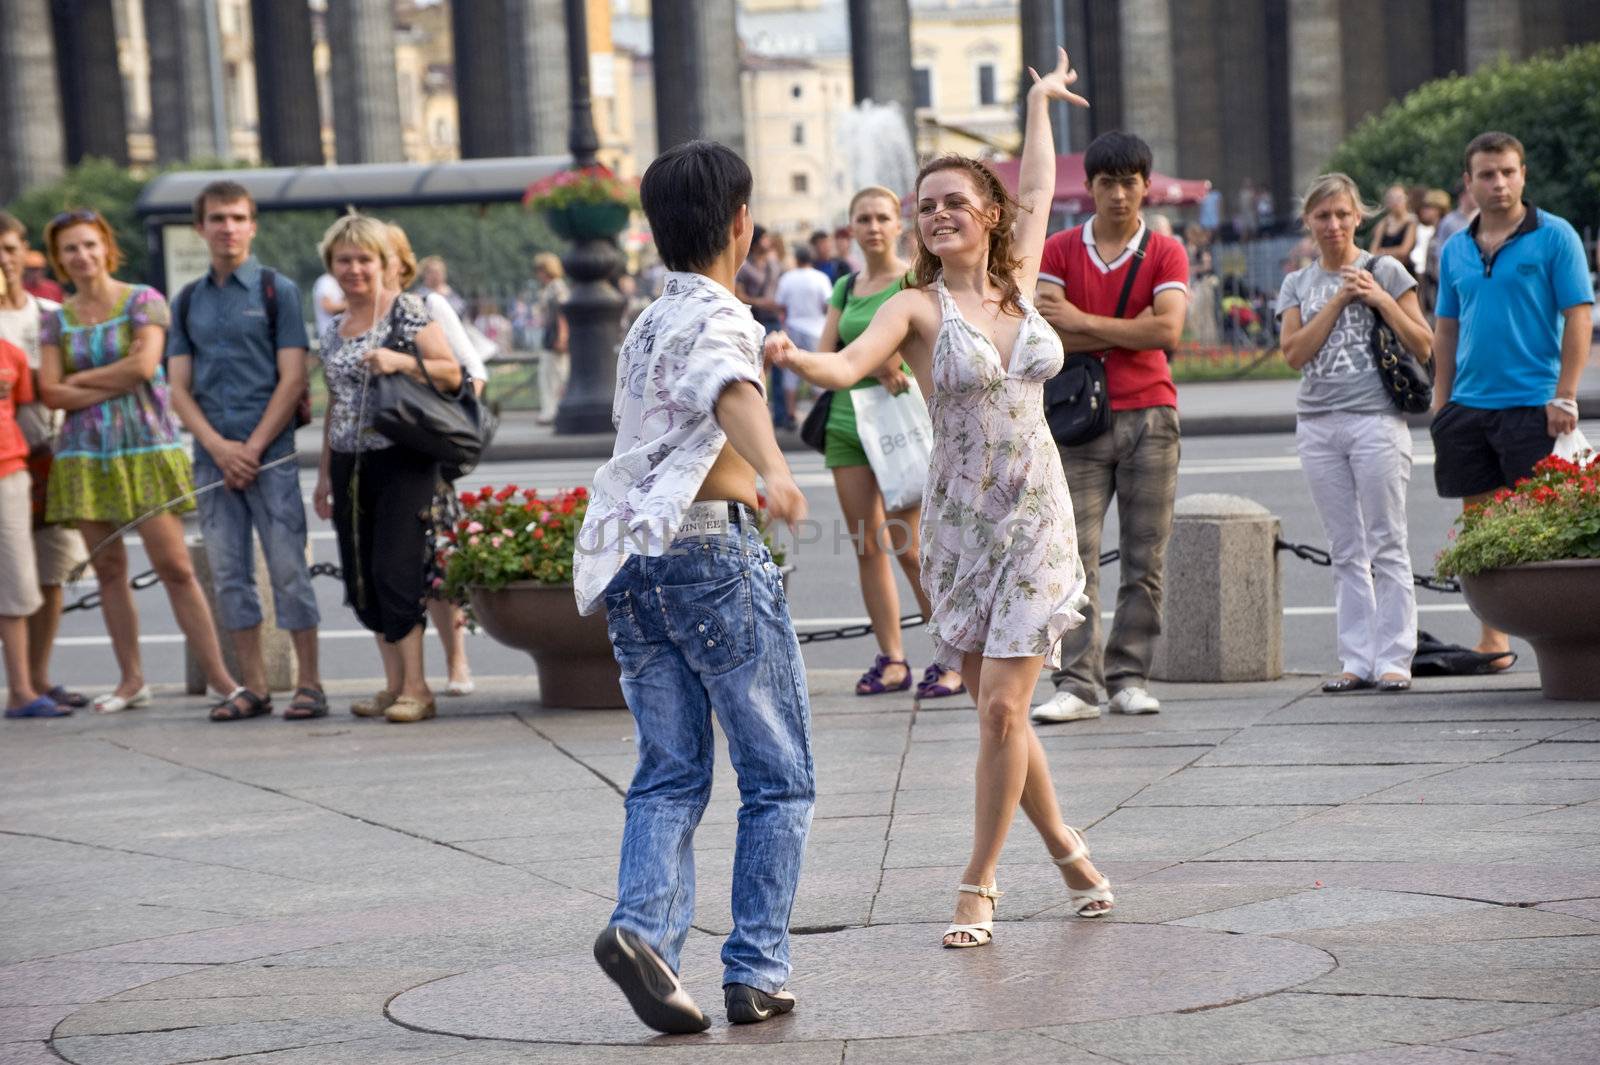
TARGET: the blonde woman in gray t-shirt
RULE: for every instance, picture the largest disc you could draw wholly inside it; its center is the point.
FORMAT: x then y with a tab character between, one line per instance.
1354	446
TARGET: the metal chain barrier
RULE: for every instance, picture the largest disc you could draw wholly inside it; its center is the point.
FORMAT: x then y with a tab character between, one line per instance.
1318	556
91	600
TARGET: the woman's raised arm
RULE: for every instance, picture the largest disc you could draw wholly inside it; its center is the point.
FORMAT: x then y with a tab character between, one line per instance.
1036	180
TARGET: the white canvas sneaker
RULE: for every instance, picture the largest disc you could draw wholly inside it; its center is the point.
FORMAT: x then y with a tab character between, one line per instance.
1134	701
1063	706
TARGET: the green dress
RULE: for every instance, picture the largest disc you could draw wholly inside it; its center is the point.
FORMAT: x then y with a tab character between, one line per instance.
842	445
118	459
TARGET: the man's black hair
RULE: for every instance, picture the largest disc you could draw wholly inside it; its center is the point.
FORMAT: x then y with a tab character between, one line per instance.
802	255
691	194
819	234
1117	154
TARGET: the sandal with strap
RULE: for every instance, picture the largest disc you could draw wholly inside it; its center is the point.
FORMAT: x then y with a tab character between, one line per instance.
871	682
1083	898
931	688
306	704
231	708
980	934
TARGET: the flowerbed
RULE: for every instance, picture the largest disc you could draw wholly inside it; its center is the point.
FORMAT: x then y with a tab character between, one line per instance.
1553	515
571	188
513	534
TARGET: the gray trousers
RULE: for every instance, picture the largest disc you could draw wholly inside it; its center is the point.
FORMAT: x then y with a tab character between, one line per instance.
1135	463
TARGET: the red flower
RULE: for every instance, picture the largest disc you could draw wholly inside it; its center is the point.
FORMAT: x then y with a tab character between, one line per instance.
530	494
538	532
505	493
580	492
469	499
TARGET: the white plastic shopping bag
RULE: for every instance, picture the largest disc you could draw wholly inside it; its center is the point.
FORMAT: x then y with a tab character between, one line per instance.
1573	447
897	435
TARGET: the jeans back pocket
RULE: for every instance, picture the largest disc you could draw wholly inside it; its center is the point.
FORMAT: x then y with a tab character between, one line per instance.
632	649
712	622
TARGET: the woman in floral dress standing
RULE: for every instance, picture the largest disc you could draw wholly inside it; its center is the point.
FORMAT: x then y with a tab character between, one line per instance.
1000	563
118	456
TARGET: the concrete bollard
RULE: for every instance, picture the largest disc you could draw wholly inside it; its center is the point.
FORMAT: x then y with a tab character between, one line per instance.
1222	615
276	646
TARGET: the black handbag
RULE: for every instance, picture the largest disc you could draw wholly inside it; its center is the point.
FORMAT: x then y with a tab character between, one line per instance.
1408	380
452	429
1077	401
814	430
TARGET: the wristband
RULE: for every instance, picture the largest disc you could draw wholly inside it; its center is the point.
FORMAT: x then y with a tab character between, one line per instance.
1566	406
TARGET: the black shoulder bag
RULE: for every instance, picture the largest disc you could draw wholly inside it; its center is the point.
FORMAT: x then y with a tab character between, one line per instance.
1077	401
450	428
814	430
1408	380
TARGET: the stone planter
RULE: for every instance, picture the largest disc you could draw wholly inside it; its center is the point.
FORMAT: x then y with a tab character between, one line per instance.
572	653
1555	606
588	221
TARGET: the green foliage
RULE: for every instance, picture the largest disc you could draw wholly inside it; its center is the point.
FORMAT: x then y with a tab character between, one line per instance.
488	247
1552	515
1550	103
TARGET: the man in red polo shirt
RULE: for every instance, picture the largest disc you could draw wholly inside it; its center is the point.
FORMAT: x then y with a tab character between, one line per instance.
1081	278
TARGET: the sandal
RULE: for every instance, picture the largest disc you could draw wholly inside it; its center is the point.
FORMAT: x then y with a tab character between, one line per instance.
931	688
871	682
43	706
61	697
1083	898
980	934
306	704
241	704
112	703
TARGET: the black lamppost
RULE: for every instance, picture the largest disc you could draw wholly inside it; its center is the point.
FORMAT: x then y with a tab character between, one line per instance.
594	306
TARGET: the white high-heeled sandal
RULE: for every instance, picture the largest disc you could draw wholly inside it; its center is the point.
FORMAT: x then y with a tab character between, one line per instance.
982	932
1082	898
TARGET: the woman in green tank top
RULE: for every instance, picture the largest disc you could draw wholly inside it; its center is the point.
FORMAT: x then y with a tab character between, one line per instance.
875	225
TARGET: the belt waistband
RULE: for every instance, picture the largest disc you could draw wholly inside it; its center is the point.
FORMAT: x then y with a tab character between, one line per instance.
715	517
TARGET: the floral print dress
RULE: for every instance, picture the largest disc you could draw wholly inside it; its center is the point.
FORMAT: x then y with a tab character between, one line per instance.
115	460
1000	553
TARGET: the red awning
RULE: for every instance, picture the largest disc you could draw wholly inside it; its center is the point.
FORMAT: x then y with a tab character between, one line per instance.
1071	194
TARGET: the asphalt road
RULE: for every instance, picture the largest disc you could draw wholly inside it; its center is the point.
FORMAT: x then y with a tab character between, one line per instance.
824	591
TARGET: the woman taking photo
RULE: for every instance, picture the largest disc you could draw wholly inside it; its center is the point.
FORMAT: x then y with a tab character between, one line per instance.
875	225
1000	565
447	617
118	456
1396	233
1354	446
379	495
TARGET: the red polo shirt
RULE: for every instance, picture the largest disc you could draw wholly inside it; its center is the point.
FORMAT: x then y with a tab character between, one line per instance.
1136	379
13	447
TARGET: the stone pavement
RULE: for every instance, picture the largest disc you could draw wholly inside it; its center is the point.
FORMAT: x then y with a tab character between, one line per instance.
1403	880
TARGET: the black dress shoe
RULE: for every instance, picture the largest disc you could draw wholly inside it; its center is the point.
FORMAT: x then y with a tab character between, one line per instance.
1345	684
751	1005
652	987
1399	684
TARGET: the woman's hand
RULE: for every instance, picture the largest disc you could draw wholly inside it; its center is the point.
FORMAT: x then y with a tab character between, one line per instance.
1360	285
387	361
1056	84
892	378
322	497
779	351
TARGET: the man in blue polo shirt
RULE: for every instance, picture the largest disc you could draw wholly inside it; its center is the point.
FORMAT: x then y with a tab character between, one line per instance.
1511	340
236	361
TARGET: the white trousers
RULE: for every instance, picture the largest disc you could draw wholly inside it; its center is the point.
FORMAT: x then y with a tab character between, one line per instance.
553	369
1358	467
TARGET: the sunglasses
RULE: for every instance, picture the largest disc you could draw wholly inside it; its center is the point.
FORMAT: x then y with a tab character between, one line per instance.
66	217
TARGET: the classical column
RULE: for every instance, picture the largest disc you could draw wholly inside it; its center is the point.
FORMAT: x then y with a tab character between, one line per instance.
286	83
32	149
880	54
1149	106
538	77
696	58
1363	51
480	32
1316	96
181	97
1102	33
366	94
1044	26
90	79
1494	31
1200	116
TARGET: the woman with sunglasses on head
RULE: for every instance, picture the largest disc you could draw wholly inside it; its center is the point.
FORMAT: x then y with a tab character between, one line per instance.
118	457
1000	564
875	226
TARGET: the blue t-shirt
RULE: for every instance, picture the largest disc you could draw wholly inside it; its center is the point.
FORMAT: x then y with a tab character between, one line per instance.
235	363
1508	353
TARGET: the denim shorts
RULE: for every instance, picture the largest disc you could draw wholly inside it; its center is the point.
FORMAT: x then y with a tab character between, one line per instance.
273	507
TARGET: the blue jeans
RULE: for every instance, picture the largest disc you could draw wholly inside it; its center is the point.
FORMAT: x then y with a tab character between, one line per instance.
703	629
274	507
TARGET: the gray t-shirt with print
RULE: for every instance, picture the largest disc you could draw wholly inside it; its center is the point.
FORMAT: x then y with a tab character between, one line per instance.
1342	376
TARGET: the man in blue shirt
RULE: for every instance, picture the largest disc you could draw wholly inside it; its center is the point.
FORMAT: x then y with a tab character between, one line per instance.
236	360
1511	340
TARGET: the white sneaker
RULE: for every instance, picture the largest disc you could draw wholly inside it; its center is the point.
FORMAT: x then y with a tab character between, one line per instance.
1063	706
1134	701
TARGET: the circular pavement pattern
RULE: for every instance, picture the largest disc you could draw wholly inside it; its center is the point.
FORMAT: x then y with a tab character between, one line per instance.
888	980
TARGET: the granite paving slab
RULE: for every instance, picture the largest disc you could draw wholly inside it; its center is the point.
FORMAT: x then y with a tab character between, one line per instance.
1286	785
1560	970
1326	908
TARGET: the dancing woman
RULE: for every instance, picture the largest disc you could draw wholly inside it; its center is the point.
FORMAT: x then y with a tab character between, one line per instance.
1000	563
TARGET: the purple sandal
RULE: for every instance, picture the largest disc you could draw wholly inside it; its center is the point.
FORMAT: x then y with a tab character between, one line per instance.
871	682
930	688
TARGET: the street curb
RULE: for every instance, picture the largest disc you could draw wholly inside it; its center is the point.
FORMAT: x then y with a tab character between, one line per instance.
598	446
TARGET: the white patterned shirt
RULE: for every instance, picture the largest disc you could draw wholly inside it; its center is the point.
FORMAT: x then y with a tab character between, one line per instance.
687	347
